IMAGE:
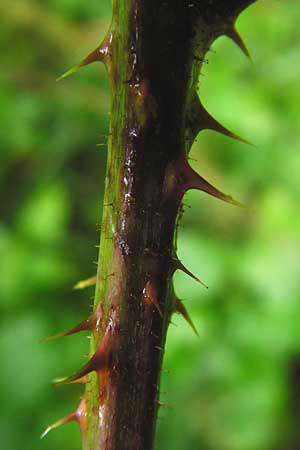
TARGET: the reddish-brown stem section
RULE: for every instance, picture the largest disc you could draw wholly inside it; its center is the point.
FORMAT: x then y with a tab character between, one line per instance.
153	54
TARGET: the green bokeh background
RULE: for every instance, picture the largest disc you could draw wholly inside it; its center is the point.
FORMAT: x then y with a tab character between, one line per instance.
236	387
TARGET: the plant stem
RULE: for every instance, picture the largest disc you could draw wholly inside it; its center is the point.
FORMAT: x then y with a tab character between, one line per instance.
153	52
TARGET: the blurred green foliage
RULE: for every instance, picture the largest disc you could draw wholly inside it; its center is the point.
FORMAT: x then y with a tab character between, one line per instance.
237	386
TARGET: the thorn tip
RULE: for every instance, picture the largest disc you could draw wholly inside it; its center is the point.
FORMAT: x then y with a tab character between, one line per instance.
234	35
69	418
181	309
195	181
177	265
96	55
205	121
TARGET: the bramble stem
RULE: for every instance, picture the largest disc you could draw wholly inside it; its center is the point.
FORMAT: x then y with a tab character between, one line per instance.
154	51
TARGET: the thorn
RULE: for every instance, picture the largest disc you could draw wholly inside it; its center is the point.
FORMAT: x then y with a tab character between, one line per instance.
212	124
78	416
99	361
181	309
85	325
92	323
194	181
94	56
207	122
82	380
99	54
150	295
177	265
96	363
203	185
234	35
69	418
82	284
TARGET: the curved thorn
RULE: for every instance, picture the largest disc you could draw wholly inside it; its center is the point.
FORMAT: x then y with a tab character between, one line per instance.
59	380
96	55
69	418
195	181
212	124
181	309
89	367
79	415
98	362
90	324
177	265
85	325
82	284
206	121
234	35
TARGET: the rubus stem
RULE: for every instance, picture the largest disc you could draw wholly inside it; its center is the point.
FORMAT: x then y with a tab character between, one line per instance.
153	53
154	75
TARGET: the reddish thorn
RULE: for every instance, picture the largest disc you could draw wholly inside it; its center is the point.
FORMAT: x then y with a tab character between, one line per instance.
101	53
79	415
234	35
194	181
177	265
150	295
90	324
100	361
208	122
69	418
211	123
181	309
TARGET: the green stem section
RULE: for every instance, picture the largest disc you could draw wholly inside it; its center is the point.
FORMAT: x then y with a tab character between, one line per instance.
153	56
